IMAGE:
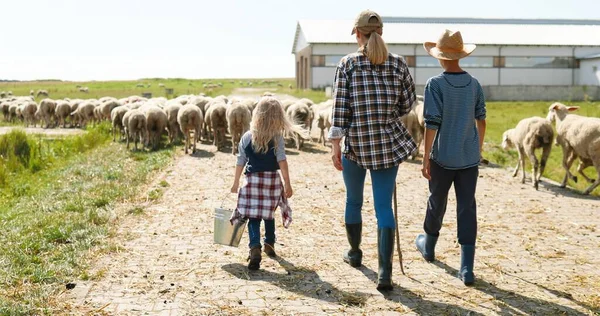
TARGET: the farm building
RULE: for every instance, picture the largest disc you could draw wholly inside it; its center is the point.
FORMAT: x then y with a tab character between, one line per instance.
514	60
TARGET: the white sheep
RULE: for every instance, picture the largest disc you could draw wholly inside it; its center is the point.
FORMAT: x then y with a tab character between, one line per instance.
42	93
161	85
12	112
116	117
238	120
46	111
172	109
84	113
31	92
324	122
4	106
84	89
216	120
62	112
106	108
299	113
135	122
411	122
579	136
530	134
156	123
190	118
28	110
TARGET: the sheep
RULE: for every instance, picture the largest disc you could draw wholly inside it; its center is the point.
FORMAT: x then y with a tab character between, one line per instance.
156	122
238	120
290	86
84	113
107	107
116	117
411	122
324	122
135	126
190	118
4	106
12	112
2	94
31	92
139	85
43	93
63	110
530	134
161	85
46	111
579	136
9	93
28	110
287	103
299	113
172	110
216	119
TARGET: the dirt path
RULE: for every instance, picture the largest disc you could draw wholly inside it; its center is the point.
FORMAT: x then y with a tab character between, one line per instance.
537	251
45	131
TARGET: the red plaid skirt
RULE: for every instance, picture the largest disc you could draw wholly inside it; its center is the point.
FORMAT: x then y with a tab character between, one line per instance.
260	197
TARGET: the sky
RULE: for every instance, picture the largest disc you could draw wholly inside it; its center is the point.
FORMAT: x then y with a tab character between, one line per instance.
82	40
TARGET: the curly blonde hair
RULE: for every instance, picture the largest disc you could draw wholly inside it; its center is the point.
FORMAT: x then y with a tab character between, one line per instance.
269	122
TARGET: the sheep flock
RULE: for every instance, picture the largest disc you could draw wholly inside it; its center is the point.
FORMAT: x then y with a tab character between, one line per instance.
194	118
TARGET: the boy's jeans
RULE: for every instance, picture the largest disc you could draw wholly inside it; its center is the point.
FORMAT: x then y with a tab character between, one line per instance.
254	232
465	182
383	188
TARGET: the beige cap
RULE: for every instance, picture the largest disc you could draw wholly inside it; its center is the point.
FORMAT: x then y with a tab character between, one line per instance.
367	22
449	46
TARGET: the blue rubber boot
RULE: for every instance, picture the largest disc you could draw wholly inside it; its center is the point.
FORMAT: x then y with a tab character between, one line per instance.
426	246
467	257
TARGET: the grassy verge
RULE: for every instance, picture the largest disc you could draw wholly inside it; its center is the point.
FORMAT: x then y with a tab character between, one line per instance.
56	206
505	115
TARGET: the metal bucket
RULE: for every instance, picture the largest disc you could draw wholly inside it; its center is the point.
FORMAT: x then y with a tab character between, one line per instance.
226	233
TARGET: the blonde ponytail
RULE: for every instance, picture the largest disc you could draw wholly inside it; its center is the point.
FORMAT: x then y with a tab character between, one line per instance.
377	50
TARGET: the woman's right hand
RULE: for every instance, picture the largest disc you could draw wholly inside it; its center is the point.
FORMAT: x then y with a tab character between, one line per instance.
336	155
234	188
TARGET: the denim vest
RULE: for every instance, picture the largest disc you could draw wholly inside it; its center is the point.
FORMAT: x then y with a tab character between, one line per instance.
258	162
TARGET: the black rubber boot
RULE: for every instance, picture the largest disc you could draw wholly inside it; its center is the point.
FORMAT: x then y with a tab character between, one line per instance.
426	246
354	255
467	258
385	247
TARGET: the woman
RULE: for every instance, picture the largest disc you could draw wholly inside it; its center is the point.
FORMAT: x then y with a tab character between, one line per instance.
372	90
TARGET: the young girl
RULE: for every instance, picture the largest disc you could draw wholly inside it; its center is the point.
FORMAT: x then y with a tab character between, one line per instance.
261	153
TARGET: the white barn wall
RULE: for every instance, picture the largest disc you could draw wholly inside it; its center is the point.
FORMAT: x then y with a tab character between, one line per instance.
587	74
536	77
542	51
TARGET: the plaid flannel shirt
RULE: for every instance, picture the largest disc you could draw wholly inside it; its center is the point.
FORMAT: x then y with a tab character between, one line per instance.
368	101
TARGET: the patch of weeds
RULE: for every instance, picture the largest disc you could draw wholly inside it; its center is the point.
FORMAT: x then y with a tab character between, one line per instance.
136	211
155	194
164	183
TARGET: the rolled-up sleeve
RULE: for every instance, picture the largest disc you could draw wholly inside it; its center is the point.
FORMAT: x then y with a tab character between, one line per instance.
480	110
341	112
280	149
432	108
408	90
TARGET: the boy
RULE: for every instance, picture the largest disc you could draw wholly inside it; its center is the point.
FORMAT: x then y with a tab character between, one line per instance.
454	112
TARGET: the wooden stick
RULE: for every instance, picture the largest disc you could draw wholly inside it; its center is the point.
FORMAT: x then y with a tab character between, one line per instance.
398	231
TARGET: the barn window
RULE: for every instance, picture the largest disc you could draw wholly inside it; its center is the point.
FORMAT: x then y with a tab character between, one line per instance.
499	62
318	61
467	62
540	62
333	60
410	61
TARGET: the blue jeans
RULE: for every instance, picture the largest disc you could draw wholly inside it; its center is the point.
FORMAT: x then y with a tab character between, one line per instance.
465	183
254	232
383	182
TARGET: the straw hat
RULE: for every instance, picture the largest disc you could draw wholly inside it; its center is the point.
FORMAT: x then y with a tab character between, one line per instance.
367	22
449	47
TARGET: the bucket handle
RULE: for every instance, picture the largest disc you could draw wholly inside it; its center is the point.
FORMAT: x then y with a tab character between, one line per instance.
225	198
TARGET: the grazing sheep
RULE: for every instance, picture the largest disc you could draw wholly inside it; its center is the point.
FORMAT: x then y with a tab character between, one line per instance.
139	85
31	92
116	117
4	106
290	86
63	110
2	94
42	93
238	120
216	119
190	118
46	111
156	123
161	85
579	136
299	113
411	122
135	122
12	112
530	134
9	93
287	103
172	109
28	110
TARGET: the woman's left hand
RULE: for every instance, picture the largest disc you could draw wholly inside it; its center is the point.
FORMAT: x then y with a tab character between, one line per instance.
336	156
234	188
